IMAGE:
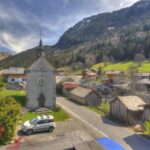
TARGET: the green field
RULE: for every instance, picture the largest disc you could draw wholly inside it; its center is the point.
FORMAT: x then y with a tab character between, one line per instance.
123	66
20	97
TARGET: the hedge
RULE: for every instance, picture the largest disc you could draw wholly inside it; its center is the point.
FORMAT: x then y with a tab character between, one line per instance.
9	117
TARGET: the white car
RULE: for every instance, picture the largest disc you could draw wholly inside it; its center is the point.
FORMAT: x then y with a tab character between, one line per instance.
41	123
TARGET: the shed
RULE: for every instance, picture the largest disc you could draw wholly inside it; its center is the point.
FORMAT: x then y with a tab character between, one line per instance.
146	114
127	109
85	96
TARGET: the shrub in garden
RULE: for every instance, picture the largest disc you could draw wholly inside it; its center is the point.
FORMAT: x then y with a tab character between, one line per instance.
9	117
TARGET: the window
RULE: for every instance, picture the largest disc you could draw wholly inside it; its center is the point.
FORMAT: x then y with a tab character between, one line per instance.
49	121
13	80
41	122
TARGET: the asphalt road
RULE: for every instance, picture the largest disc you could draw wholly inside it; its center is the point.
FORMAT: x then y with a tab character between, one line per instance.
127	138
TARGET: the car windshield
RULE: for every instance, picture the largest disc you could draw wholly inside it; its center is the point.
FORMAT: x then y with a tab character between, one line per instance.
33	121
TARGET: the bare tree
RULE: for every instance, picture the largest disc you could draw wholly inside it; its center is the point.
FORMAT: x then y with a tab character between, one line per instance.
131	75
139	58
105	60
90	60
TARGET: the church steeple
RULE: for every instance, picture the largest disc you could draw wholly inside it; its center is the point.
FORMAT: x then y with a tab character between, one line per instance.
40	49
40	43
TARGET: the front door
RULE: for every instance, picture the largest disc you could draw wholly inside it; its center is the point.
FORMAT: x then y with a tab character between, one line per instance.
41	100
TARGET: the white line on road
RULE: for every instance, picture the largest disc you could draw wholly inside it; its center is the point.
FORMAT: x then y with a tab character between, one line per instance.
86	122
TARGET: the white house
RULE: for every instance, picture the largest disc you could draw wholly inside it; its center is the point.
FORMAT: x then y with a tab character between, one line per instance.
14	75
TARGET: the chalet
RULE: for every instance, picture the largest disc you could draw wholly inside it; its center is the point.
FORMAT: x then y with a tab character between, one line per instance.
85	96
118	77
89	74
113	74
14	75
128	109
143	85
68	86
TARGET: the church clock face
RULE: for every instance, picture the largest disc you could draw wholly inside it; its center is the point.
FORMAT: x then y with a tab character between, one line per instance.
41	81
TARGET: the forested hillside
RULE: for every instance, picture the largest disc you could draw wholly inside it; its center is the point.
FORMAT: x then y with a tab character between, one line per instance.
118	35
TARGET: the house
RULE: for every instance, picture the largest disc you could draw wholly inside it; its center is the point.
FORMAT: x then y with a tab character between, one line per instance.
113	74
41	86
121	89
89	74
14	75
60	80
68	86
118	77
102	88
127	109
140	76
143	85
85	96
107	81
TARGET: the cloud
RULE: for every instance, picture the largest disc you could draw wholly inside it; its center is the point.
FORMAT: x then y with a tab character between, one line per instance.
21	21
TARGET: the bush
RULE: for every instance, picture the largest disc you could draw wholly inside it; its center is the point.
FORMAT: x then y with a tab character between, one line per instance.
9	117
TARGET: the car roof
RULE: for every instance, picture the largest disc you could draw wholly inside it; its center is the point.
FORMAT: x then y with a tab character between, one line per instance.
45	117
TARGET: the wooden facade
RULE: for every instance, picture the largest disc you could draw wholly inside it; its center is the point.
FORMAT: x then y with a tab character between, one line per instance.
146	114
127	109
85	96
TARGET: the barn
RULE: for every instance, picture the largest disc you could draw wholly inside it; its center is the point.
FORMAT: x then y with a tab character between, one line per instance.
127	109
146	114
85	96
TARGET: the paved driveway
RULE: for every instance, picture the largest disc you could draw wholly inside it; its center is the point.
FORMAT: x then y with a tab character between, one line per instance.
127	138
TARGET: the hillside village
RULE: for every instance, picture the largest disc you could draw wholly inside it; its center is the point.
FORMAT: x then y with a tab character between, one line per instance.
91	87
89	91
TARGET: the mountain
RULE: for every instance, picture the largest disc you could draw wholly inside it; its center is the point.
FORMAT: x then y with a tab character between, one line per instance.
119	35
5	50
4	55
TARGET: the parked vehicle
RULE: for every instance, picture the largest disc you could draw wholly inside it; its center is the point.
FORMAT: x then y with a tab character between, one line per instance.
40	123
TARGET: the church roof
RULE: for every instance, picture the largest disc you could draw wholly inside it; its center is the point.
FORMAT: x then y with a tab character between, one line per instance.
41	63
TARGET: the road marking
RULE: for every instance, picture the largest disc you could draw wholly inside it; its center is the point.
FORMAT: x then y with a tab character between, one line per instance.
86	122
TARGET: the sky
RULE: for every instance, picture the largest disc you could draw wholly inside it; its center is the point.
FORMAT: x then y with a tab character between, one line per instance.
22	20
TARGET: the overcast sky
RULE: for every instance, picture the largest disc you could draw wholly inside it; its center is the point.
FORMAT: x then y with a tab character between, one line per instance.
22	20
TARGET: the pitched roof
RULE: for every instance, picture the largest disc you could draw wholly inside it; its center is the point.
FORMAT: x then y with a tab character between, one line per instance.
114	72
142	74
14	71
41	63
81	91
144	81
70	85
133	103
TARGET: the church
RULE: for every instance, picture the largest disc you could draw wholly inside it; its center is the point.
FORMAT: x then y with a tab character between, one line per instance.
41	86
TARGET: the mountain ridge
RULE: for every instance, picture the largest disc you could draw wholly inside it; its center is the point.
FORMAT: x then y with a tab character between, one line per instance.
119	35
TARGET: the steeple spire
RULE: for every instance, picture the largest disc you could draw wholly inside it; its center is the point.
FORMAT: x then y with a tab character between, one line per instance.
40	50
40	44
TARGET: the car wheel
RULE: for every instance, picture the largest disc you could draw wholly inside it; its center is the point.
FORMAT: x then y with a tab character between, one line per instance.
29	132
50	129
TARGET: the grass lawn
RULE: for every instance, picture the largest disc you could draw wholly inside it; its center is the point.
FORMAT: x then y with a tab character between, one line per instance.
60	115
123	66
19	96
102	110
